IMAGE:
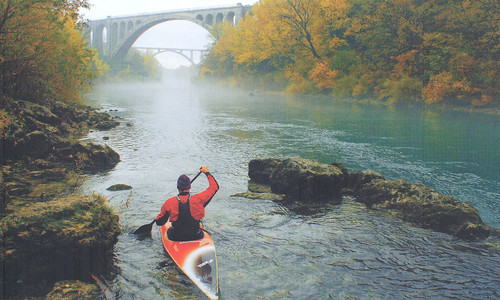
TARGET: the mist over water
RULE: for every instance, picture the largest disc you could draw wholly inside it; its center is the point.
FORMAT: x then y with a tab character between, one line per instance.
266	251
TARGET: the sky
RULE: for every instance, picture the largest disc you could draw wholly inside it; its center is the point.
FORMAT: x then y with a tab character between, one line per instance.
172	34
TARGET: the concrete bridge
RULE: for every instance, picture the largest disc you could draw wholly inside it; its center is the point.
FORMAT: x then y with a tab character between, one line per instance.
186	53
114	36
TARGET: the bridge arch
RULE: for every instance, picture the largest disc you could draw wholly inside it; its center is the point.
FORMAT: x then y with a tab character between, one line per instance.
126	44
122	32
155	51
209	19
219	18
230	18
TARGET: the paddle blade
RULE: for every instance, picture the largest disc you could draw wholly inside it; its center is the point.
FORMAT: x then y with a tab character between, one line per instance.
144	229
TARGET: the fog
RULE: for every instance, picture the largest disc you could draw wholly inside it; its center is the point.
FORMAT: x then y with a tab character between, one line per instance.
176	34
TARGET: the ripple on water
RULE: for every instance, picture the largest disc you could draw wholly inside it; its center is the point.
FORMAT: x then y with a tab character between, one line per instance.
265	250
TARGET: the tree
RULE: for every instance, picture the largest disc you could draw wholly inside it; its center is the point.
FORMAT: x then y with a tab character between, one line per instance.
413	50
43	53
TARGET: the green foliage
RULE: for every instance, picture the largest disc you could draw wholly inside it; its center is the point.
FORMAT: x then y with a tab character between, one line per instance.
397	49
403	88
137	65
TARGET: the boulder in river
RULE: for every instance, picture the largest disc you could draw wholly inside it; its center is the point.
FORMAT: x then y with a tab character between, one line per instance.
92	157
260	170
358	179
300	179
119	187
305	183
424	207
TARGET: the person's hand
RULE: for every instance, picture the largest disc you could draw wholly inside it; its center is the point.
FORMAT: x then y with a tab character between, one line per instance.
204	169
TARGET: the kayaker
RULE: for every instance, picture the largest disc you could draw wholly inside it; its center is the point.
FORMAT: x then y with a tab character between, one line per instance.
185	210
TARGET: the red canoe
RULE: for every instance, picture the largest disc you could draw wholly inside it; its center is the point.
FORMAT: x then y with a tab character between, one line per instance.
197	259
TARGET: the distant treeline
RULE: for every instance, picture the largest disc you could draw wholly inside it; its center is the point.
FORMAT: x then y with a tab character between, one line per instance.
422	50
136	65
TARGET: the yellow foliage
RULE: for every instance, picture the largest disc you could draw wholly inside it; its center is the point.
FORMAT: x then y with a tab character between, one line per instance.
206	72
396	49
43	51
439	87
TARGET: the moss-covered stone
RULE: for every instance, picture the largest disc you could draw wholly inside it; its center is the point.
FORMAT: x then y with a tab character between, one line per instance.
424	207
73	290
260	196
308	183
299	179
65	238
119	187
46	238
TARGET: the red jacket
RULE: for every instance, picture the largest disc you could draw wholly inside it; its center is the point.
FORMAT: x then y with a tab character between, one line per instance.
198	203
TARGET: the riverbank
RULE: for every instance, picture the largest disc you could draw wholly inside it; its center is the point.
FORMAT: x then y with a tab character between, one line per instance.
49	232
256	90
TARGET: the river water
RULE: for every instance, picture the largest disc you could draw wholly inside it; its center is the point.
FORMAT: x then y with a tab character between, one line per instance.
268	252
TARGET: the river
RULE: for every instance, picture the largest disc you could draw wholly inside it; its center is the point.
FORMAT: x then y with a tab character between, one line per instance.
268	252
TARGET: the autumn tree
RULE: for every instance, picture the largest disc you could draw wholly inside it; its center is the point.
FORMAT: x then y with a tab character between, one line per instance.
43	54
398	50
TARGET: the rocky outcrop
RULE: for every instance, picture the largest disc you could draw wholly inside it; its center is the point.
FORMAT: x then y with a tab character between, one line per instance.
38	130
424	207
299	179
92	157
260	170
359	179
119	187
305	181
78	232
47	232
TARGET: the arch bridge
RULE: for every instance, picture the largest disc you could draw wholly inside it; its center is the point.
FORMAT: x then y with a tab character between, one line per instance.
186	53
114	36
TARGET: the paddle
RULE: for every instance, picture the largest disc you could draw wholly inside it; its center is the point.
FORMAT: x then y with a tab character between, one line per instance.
146	229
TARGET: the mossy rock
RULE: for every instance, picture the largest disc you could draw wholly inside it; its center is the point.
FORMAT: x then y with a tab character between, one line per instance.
65	238
73	290
258	187
119	187
423	206
260	196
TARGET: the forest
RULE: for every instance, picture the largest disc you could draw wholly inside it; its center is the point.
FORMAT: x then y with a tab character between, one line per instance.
394	50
